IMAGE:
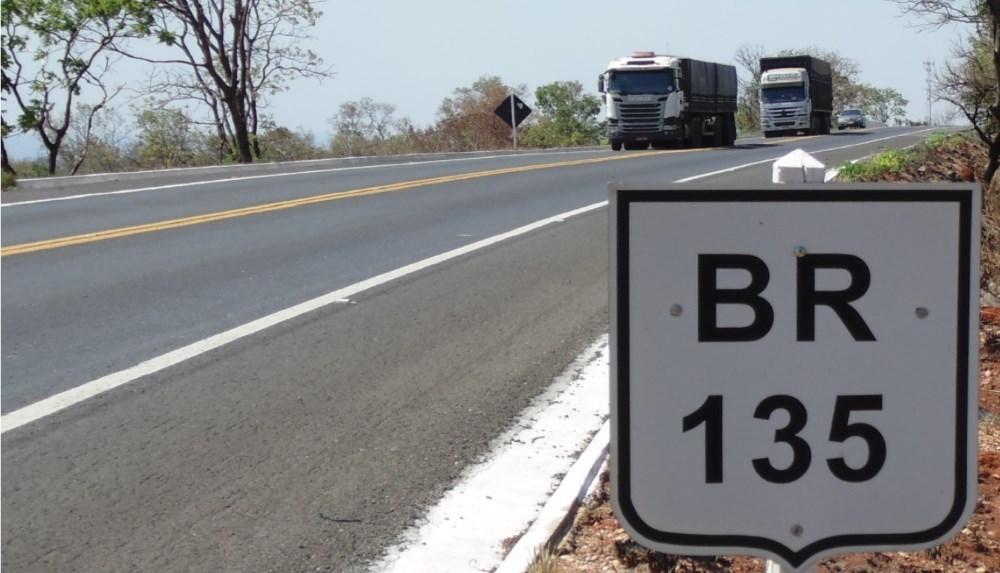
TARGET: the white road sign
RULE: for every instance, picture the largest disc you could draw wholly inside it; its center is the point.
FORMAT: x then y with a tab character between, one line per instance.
793	369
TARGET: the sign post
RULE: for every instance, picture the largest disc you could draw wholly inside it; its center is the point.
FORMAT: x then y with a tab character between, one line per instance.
513	111
793	367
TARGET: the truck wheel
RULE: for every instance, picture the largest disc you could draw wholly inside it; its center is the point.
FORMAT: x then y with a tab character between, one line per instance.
825	121
616	146
770	134
815	126
730	132
694	139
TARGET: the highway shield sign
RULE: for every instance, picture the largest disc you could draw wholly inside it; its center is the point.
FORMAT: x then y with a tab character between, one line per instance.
793	368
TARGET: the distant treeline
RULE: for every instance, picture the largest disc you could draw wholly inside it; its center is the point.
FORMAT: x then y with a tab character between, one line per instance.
155	138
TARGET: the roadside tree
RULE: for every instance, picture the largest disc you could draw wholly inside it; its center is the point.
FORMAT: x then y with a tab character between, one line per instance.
364	127
882	104
231	54
99	144
169	138
748	104
466	121
282	144
54	51
568	117
971	82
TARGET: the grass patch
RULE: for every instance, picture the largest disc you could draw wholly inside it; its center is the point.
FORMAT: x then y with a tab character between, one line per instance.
894	161
7	180
545	561
942	141
876	167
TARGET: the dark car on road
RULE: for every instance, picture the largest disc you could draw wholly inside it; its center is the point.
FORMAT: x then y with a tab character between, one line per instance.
851	118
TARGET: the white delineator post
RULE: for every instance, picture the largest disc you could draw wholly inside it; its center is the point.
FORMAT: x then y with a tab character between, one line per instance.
796	167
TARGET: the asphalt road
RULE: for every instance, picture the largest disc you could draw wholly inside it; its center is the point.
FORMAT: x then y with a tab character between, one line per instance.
310	444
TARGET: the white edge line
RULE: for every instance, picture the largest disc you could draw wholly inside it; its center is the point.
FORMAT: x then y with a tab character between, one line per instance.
287	174
67	398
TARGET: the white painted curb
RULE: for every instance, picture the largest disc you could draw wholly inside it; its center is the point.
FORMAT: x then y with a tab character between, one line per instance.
501	497
560	510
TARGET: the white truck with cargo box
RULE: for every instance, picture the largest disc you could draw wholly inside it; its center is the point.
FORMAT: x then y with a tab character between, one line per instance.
661	100
796	95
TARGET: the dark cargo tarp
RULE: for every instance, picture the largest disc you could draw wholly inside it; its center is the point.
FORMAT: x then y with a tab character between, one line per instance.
709	87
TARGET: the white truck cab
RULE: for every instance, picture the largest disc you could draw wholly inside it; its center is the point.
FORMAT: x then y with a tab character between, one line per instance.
642	98
784	97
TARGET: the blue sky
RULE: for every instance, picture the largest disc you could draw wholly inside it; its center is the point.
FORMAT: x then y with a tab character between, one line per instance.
413	54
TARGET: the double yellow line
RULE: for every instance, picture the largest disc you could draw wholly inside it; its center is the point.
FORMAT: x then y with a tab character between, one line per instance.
94	237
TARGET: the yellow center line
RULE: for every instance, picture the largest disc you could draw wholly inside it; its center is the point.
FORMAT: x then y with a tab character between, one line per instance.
108	234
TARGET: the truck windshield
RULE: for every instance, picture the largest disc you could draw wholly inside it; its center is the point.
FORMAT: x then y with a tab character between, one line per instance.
646	82
783	94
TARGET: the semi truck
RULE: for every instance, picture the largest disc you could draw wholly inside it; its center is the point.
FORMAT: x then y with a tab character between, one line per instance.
659	100
796	95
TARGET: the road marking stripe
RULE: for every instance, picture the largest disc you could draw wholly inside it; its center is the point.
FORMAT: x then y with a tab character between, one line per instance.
52	404
93	237
65	399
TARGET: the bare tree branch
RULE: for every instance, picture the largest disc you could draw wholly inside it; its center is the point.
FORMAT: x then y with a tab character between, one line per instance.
233	53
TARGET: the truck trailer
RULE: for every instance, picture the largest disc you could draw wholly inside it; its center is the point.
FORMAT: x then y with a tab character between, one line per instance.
660	100
796	95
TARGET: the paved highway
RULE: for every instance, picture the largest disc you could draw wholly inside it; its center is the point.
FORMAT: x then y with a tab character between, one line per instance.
309	439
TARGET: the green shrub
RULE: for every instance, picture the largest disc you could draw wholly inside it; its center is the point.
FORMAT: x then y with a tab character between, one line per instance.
943	141
877	166
892	162
7	180
31	169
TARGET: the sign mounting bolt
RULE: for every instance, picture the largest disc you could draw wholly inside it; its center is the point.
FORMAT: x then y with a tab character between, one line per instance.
799	251
797	530
676	310
922	312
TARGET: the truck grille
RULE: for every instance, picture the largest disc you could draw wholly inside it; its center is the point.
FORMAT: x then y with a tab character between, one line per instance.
781	113
641	116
